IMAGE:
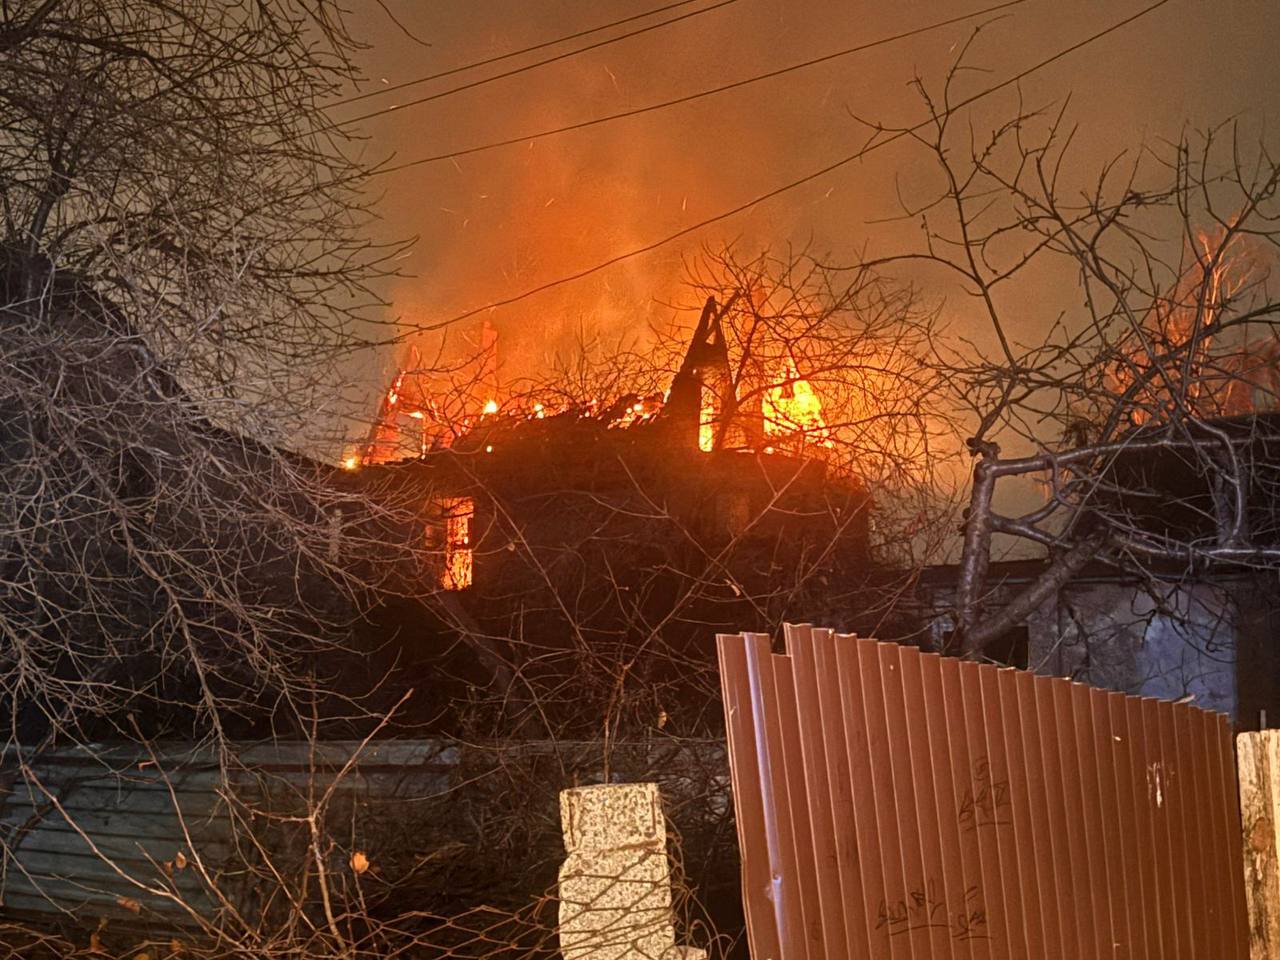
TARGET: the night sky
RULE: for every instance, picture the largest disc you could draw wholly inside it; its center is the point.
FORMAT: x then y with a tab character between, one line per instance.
495	224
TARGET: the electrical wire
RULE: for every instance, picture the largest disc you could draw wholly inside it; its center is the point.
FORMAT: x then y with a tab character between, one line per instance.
801	181
382	91
515	71
689	98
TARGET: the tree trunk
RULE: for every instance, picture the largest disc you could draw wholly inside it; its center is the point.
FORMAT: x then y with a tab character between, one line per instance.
1058	575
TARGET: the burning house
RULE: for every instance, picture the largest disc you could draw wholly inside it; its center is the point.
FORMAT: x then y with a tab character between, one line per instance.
579	554
503	554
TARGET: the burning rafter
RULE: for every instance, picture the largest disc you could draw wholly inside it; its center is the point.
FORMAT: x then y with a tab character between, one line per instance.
457	513
703	407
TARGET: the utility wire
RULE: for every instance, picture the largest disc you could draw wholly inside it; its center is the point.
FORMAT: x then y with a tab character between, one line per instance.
801	181
521	69
689	98
381	91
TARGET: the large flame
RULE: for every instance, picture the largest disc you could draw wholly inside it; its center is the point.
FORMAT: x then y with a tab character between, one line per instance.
708	421
1211	378
793	411
421	412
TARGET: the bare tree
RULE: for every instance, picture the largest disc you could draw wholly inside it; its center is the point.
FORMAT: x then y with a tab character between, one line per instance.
184	273
185	268
774	459
1146	399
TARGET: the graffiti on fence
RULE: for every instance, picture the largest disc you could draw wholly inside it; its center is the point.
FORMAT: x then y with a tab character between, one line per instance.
893	803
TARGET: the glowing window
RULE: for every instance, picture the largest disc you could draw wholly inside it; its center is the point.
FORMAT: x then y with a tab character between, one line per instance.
457	513
708	419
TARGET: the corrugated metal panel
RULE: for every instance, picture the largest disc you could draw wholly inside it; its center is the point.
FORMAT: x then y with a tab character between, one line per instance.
896	804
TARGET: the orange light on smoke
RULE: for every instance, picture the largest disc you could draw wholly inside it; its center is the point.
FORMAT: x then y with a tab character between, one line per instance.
1212	378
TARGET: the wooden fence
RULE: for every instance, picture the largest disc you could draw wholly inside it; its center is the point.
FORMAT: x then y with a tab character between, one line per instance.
896	804
1258	760
171	835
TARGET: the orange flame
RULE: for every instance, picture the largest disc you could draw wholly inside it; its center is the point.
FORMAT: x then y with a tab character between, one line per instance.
1213	380
793	410
458	554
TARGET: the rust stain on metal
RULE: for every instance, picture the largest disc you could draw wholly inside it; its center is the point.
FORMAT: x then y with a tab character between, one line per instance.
895	804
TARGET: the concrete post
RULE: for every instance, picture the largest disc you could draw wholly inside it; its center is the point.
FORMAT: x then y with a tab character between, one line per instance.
615	882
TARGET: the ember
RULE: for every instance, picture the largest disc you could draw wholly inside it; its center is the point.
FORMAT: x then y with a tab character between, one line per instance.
760	414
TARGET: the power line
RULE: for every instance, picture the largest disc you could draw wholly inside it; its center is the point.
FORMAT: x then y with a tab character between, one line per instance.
807	178
688	98
381	91
393	168
522	69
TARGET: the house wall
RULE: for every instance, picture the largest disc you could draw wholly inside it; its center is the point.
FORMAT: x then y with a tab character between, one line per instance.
1116	635
1215	641
1258	651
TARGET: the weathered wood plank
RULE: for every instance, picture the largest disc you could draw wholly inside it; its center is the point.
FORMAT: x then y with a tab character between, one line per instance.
68	901
1258	762
110	822
120	796
126	757
119	848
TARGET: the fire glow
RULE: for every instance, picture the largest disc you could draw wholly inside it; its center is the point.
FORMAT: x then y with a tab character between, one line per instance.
458	555
792	407
1233	380
704	411
780	412
790	413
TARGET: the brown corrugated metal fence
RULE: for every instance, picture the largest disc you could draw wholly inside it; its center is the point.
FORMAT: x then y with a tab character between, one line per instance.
897	804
